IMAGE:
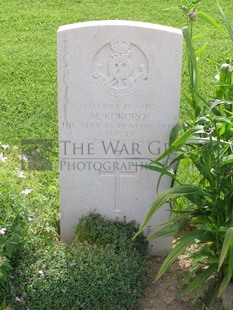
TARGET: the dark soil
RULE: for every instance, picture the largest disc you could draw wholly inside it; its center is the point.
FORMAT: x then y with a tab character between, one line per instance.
165	294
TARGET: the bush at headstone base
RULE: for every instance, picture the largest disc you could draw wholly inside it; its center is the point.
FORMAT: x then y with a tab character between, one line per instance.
96	275
95	229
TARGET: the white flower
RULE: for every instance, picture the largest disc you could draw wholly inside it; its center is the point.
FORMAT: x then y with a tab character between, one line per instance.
2	231
2	158
18	299
26	191
21	174
41	272
23	157
5	146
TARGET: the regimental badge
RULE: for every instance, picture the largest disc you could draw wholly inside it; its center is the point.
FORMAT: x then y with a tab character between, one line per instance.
120	68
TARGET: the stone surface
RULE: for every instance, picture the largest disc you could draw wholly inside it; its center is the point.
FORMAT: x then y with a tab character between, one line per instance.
119	85
227	298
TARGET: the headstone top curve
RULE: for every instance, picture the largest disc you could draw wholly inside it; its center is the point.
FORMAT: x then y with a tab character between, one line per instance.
125	23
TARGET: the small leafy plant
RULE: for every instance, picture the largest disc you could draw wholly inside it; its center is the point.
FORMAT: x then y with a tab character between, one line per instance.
95	229
205	146
95	272
22	227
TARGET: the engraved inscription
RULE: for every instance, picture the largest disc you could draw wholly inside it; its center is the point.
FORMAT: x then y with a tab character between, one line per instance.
120	68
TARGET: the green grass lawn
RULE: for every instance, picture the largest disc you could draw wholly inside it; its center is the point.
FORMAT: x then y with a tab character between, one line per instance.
28	73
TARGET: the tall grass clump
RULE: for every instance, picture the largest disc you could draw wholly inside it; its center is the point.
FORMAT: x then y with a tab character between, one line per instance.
204	144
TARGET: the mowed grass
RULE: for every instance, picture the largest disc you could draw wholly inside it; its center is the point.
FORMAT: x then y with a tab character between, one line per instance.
28	71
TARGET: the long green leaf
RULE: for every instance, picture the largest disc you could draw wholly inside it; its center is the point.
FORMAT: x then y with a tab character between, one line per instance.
198	36
230	262
226	245
169	230
179	142
223	285
200	279
175	132
220	102
168	195
209	20
195	72
227	160
195	1
193	237
164	169
201	49
199	140
226	21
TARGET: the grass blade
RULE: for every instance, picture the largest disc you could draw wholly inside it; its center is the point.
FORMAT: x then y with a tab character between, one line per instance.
169	230
227	160
179	142
195	78
168	195
226	245
209	20
230	260
163	169
193	237
201	49
226	21
200	279
223	285
175	132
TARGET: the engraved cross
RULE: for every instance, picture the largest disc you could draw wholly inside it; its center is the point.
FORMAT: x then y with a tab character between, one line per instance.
118	175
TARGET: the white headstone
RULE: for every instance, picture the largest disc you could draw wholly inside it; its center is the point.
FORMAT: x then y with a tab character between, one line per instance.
119	85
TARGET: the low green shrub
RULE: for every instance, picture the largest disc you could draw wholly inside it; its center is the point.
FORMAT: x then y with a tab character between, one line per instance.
96	275
95	229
